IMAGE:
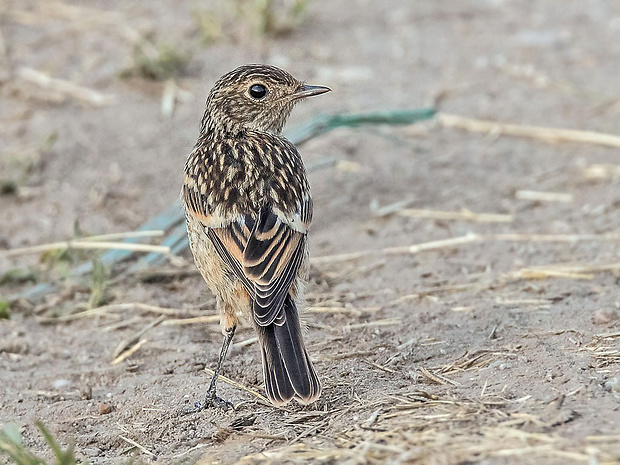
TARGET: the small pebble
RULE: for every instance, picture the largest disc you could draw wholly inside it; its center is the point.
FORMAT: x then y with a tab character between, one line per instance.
603	317
104	409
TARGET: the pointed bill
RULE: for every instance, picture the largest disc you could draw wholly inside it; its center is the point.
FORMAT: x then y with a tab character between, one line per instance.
309	91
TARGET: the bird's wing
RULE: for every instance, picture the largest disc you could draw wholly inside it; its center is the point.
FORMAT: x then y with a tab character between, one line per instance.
264	252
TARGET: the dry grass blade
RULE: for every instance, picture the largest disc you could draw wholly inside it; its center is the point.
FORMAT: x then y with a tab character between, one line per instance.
129	352
373	324
295	453
517	237
86	244
125	323
135	339
472	361
412	249
541	273
246	342
550	135
391	209
436	378
602	171
380	367
123	235
517	302
434	245
356	311
113	308
243	387
608	335
63	87
536	196
463	215
192	321
605	352
580	267
464	240
139	446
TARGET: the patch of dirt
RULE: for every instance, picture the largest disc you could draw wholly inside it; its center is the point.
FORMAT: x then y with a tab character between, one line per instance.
501	349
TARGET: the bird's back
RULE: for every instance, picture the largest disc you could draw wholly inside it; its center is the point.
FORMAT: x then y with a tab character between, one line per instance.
243	173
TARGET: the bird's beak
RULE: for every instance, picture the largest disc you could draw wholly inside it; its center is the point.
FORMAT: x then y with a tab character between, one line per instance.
308	91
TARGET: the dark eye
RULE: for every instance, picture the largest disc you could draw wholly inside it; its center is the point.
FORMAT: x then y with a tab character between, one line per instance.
258	91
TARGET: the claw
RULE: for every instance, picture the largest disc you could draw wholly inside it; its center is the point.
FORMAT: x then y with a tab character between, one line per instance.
211	401
221	403
198	406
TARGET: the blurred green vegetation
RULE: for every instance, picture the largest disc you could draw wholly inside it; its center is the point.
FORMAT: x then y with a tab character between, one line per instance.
12	446
19	164
270	18
157	62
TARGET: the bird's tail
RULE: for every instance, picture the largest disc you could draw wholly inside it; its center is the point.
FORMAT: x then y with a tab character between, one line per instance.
287	369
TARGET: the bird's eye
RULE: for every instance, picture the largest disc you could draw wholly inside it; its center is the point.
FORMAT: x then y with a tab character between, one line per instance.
258	91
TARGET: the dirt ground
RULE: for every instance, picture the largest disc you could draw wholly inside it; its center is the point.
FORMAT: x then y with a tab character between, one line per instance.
501	348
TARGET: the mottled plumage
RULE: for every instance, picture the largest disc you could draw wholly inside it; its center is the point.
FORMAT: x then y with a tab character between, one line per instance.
248	209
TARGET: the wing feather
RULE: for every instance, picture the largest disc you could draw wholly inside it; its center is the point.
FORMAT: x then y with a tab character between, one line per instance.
265	254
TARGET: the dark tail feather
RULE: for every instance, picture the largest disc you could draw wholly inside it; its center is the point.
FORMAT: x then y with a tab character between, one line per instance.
287	369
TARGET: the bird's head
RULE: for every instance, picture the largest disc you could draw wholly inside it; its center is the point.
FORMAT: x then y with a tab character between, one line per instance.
259	97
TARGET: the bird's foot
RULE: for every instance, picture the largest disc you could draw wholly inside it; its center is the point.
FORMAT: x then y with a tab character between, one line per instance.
212	400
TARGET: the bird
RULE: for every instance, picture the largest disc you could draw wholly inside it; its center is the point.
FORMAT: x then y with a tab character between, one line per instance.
248	209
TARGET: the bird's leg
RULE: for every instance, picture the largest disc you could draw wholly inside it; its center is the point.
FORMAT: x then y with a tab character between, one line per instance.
211	399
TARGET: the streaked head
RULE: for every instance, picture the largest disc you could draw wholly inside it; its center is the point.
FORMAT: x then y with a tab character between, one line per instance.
255	96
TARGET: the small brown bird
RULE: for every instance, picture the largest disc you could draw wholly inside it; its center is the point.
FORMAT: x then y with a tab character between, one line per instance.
248	209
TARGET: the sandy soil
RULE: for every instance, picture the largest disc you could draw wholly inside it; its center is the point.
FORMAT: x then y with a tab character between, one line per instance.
463	354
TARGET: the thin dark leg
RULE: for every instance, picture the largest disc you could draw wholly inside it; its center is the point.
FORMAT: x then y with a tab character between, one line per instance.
211	399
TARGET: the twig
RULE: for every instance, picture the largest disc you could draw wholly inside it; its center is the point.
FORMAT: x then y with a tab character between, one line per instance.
351	310
380	367
544	196
517	237
540	273
517	302
192	321
550	135
464	214
243	387
412	249
191	449
602	171
67	88
370	324
247	342
437	378
129	352
114	307
122	235
135	339
387	210
86	244
135	444
462	240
